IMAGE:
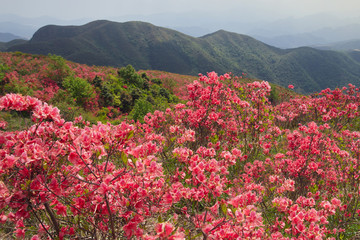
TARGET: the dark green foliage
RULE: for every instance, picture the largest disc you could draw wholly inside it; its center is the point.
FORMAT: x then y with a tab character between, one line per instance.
146	81
130	90
127	72
141	108
97	82
145	77
155	90
150	100
165	93
135	94
146	85
106	96
130	76
156	81
126	102
80	89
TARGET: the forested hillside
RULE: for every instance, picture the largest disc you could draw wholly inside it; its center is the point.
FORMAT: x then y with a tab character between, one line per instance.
145	46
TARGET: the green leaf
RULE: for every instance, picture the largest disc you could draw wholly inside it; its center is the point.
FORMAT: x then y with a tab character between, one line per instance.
215	138
106	146
124	158
130	135
224	208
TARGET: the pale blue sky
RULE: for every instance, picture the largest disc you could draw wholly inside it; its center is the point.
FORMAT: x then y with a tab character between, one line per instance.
105	9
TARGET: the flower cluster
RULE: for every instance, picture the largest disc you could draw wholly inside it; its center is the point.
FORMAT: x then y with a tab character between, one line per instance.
227	164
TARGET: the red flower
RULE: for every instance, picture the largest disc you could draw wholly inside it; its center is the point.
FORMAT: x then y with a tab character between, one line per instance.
61	209
20	233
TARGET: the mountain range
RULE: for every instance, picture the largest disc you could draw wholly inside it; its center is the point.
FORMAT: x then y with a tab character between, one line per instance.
348	46
5	45
146	46
7	37
321	36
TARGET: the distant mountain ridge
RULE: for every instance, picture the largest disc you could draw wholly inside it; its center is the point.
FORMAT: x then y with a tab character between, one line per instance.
7	37
350	45
323	36
146	46
5	45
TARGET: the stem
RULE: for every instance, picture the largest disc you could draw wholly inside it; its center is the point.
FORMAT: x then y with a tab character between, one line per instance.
36	216
265	210
87	165
205	216
108	158
205	236
52	217
111	218
220	224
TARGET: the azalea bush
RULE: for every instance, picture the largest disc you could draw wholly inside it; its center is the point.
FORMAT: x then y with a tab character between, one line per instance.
225	164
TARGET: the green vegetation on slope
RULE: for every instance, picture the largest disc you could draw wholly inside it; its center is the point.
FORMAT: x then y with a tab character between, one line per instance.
96	93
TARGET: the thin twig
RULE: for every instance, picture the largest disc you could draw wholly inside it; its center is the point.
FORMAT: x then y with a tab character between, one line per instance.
36	216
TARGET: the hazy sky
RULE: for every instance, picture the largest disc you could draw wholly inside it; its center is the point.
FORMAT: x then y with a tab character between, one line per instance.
194	17
107	9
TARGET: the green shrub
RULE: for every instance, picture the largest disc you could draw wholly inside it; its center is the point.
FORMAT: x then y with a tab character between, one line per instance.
156	81
135	94
17	86
81	90
165	93
126	102
130	76
141	108
106	95
58	70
